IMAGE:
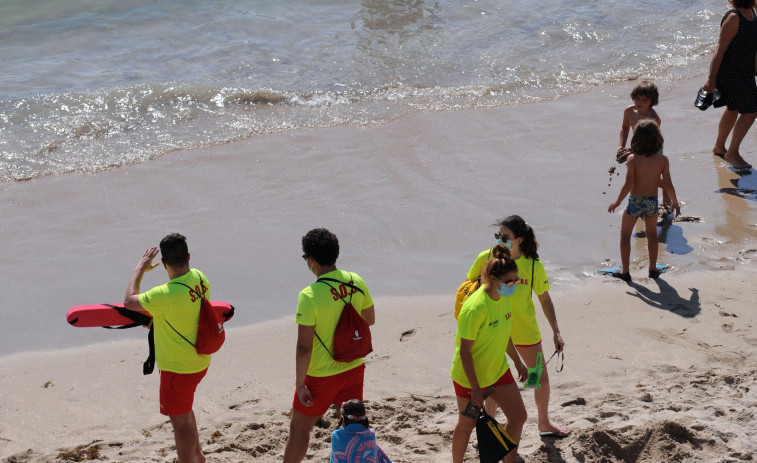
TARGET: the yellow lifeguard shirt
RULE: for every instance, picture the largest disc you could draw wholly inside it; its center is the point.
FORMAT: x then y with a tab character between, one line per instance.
174	303
317	306
525	328
487	323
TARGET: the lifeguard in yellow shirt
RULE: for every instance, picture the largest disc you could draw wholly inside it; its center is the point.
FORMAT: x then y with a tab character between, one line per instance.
175	308
321	381
479	364
519	237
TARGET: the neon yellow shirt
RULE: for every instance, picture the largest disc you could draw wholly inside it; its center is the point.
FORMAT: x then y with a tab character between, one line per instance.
487	322
318	307
173	303
478	265
525	328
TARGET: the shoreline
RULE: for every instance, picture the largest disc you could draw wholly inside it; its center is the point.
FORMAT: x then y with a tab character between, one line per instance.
417	195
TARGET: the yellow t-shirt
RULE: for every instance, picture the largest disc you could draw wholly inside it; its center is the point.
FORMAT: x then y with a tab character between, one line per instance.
487	322
478	265
525	331
525	328
173	302
317	306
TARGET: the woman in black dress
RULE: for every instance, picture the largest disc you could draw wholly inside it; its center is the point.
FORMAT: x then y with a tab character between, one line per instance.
732	72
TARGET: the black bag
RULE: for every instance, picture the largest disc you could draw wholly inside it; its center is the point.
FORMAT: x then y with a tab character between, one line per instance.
493	441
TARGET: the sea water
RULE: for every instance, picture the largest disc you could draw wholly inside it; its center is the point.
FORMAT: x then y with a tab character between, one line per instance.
89	85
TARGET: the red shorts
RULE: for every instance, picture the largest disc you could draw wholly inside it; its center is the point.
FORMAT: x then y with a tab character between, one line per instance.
177	391
464	392
329	390
527	345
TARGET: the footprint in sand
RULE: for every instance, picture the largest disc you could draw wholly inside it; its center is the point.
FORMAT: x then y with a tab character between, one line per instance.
576	401
663	440
377	359
746	256
243	404
407	334
707	239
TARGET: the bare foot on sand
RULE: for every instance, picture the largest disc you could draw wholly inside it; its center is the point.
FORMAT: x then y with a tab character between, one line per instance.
736	161
719	151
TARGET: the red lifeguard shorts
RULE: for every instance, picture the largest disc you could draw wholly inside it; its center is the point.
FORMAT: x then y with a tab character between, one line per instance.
329	390
464	392
177	391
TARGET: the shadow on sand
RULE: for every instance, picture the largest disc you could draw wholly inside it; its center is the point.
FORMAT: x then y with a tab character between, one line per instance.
672	236
668	298
743	187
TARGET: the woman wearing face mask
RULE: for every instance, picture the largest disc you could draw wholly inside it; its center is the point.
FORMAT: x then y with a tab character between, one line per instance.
519	237
479	363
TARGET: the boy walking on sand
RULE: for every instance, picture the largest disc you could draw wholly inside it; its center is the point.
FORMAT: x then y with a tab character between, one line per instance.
645	168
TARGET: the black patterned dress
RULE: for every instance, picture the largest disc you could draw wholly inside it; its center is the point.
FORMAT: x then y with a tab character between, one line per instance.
736	74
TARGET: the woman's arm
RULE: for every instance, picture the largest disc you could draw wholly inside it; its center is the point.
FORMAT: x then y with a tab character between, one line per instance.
727	32
549	311
466	357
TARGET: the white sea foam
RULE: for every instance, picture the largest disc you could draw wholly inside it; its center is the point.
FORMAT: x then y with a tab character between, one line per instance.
89	85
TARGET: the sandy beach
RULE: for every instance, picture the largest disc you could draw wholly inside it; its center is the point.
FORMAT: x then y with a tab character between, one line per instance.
655	371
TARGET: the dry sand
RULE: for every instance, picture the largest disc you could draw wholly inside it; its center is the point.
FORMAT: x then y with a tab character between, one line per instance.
655	371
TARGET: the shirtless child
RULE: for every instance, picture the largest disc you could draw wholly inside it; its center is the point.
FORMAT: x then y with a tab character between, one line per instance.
646	165
644	96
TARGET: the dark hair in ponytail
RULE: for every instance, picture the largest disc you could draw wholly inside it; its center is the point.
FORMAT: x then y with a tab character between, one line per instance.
499	264
521	229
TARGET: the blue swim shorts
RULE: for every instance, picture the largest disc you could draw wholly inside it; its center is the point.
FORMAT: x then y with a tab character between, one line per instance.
642	206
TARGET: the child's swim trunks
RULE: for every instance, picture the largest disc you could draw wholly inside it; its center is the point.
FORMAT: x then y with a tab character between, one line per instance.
642	206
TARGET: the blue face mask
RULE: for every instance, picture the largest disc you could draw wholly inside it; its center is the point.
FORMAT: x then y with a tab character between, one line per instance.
506	291
508	244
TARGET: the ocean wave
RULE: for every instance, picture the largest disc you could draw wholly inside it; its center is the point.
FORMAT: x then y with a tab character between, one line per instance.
90	131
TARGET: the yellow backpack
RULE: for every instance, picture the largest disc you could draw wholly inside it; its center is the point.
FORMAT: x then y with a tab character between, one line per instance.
463	293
